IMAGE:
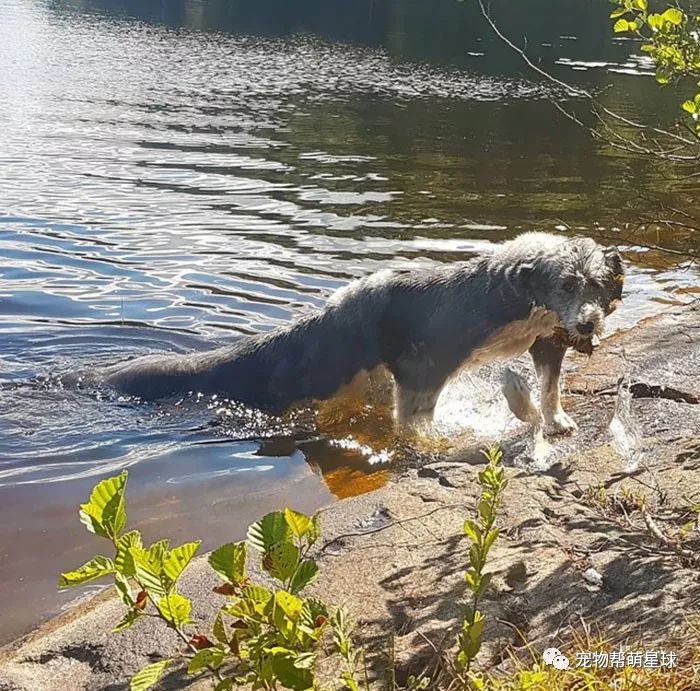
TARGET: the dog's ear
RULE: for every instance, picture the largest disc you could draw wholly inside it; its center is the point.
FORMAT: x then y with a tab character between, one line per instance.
525	270
613	259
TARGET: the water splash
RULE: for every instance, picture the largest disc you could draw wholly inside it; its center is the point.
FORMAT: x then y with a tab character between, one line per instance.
625	428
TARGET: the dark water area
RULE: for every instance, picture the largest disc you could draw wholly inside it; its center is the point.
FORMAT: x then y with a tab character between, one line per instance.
180	174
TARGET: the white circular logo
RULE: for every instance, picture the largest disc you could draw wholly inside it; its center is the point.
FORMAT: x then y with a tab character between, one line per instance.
560	662
549	655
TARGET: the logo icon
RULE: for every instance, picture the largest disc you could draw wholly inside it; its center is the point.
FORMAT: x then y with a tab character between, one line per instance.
554	657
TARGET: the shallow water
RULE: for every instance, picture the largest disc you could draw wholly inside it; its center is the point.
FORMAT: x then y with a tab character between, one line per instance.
178	174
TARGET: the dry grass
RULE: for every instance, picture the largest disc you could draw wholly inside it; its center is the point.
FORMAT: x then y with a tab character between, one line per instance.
532	674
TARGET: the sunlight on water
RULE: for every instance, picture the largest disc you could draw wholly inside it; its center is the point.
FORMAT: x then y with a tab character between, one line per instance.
373	457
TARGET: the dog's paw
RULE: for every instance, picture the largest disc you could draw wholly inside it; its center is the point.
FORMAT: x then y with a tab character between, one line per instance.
560	423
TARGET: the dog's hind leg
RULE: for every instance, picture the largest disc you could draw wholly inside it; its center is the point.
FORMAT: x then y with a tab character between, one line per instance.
548	355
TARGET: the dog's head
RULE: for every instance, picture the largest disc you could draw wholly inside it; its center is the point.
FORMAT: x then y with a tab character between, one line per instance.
582	282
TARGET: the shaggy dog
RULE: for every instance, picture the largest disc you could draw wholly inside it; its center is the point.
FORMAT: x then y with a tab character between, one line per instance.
538	292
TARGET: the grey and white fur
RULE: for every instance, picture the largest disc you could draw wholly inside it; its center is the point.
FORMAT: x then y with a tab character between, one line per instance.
422	325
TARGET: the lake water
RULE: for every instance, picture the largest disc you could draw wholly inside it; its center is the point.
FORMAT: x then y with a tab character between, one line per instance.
177	174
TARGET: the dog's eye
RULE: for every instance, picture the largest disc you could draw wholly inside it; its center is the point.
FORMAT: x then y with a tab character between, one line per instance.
569	285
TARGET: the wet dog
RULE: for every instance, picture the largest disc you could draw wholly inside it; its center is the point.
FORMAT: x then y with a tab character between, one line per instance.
539	292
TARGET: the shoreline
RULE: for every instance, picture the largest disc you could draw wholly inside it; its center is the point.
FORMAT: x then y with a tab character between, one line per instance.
395	556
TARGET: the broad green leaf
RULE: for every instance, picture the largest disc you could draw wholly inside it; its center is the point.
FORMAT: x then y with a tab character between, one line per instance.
281	560
473	647
673	16
148	571
289	604
476	557
157	552
305	660
619	12
491	538
270	530
128	621
224	685
484	584
485	510
350	681
477	628
472	530
640	5
655	21
229	562
315	529
290	676
662	75
175	561
219	629
471	576
148	676
105	514
257	593
121	583
175	608
313	611
242	609
124	561
298	522
621	25
95	568
689	106
306	573
203	659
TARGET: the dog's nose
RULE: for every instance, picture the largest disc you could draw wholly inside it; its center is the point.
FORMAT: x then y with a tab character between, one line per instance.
585	328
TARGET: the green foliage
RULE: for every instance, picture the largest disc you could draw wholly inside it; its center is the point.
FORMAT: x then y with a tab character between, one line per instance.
104	514
229	562
352	656
272	529
481	533
148	676
261	637
670	37
95	568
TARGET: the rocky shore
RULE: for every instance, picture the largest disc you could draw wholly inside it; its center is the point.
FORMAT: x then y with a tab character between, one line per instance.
598	540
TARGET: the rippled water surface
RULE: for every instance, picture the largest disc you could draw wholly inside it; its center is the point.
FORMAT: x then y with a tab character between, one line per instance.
178	174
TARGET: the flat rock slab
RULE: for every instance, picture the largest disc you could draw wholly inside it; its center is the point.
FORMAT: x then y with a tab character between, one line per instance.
396	556
660	357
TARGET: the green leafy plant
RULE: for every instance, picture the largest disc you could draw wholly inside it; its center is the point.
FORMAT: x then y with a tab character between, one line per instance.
670	37
262	636
353	657
482	534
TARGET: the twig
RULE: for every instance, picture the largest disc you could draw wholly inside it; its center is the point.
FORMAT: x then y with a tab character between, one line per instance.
659	535
613	138
392	524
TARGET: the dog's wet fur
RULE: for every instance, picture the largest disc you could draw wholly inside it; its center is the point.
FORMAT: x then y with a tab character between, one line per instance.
538	292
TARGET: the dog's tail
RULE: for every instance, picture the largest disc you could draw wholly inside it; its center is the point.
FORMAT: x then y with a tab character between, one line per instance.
311	359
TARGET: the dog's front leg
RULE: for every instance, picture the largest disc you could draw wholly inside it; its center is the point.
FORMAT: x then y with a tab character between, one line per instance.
548	355
414	408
